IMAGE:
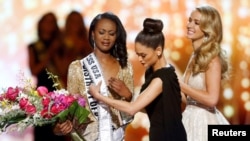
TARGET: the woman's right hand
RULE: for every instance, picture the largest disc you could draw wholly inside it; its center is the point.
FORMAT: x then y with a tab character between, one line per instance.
63	128
120	88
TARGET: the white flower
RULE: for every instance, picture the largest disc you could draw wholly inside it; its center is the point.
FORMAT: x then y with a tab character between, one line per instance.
1	112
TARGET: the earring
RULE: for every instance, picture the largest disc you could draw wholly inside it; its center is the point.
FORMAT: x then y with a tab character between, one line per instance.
94	43
205	39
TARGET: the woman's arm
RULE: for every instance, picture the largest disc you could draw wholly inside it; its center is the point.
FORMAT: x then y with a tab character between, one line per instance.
37	67
120	88
210	96
146	97
125	86
44	58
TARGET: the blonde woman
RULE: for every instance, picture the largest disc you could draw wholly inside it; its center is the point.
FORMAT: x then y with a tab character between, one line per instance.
206	69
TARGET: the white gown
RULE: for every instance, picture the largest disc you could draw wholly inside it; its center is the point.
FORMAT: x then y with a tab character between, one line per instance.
197	117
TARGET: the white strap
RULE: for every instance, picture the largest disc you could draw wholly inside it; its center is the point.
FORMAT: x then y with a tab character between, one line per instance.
104	117
93	103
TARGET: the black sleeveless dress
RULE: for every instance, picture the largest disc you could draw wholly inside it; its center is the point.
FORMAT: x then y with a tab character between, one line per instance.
164	112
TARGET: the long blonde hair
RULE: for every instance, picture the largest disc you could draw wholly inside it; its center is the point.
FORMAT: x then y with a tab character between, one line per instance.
211	25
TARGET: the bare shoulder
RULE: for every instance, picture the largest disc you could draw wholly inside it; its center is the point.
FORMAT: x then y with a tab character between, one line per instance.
215	62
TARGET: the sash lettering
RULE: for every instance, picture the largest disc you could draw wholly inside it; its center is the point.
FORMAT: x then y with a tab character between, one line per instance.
92	74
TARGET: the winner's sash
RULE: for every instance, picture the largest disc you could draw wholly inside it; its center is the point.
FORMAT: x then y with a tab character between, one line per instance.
99	110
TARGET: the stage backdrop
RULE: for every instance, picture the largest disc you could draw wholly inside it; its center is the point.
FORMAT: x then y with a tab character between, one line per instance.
18	21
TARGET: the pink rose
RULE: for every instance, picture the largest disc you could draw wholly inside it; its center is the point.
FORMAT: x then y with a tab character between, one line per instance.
42	90
23	103
30	109
1	97
70	99
61	99
51	94
12	93
81	101
65	100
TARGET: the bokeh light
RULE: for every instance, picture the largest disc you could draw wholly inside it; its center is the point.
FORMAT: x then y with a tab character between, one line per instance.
228	110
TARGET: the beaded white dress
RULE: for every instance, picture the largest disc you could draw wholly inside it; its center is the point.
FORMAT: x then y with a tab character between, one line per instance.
197	117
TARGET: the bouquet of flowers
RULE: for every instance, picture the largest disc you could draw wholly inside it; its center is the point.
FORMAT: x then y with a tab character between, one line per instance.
28	106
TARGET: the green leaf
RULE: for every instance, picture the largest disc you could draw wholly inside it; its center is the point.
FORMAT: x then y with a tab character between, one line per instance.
73	107
76	137
76	111
16	119
62	116
12	120
81	114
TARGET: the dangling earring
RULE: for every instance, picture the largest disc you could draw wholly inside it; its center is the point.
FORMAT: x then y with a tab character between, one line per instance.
159	55
94	43
205	39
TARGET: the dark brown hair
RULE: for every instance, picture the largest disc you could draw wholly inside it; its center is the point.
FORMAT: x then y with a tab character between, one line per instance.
151	35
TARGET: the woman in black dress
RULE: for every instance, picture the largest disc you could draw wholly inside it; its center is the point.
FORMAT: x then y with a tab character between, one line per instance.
160	94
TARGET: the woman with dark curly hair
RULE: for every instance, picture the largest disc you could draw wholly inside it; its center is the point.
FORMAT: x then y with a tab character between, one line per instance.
108	62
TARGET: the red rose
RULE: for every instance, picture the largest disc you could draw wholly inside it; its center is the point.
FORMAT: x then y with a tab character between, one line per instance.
45	101
57	108
45	113
42	90
30	109
12	93
23	103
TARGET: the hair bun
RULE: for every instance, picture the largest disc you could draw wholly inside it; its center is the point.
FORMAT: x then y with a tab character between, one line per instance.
152	25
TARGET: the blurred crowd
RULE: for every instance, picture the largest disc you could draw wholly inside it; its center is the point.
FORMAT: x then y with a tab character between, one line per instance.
52	51
55	48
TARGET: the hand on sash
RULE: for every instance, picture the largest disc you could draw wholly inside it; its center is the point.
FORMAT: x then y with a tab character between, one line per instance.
94	90
120	88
